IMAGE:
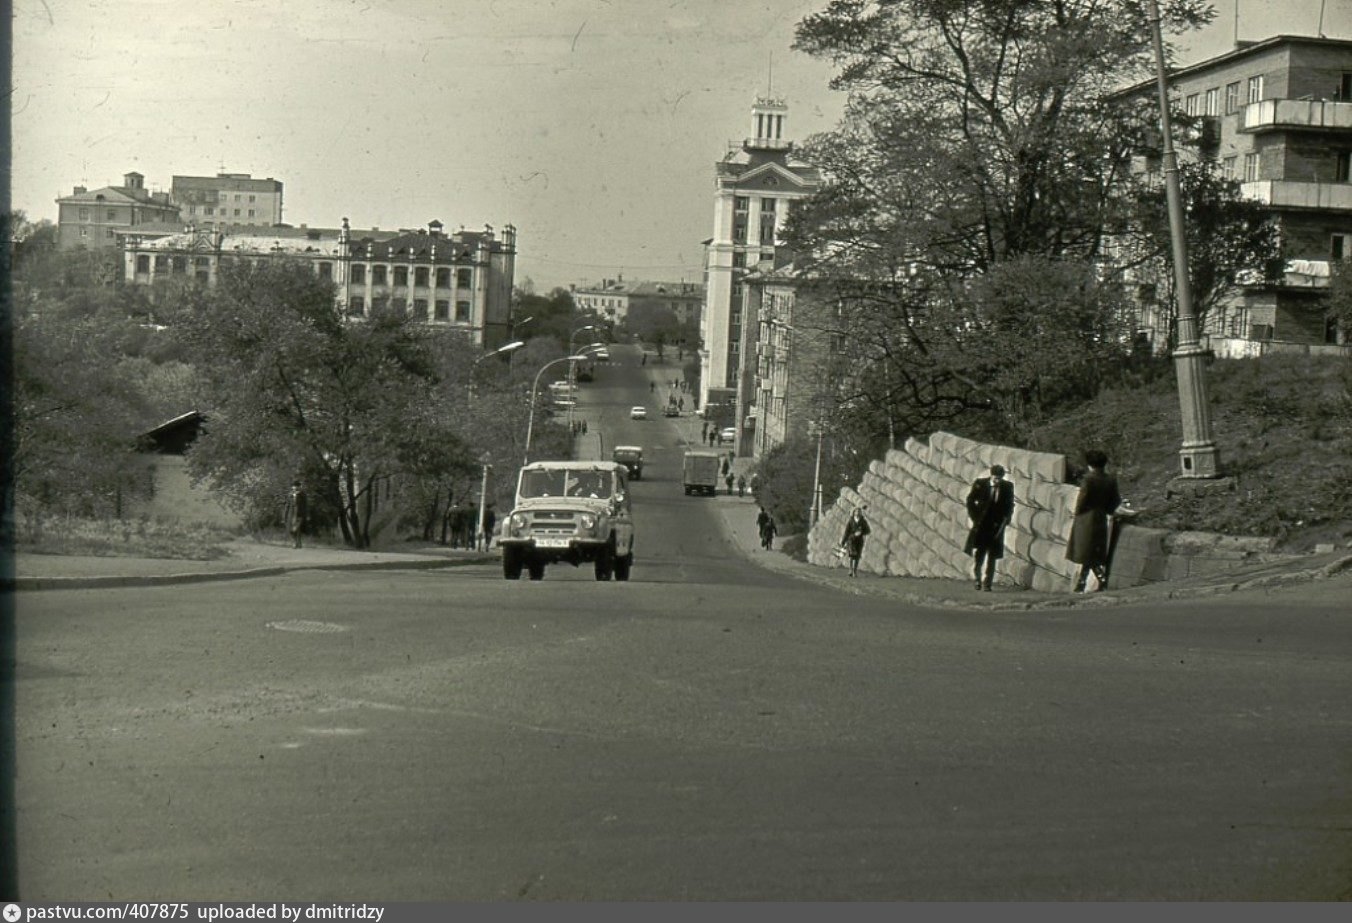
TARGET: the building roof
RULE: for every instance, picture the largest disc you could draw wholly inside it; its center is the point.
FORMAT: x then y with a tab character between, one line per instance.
1240	51
117	195
235	182
282	238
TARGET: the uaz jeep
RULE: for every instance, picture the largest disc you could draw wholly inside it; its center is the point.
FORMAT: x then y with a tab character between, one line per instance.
571	512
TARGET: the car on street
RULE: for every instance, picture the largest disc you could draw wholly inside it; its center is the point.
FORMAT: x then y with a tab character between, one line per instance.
638	413
671	411
727	434
602	355
569	512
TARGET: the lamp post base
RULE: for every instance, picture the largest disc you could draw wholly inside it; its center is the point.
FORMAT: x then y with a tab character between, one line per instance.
1190	486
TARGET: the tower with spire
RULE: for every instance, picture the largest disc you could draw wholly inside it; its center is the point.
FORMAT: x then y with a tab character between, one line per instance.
756	184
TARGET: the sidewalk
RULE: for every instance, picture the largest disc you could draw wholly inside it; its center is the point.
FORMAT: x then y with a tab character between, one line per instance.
246	558
739	521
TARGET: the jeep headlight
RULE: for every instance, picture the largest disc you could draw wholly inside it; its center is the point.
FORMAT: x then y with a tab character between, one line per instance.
519	522
587	521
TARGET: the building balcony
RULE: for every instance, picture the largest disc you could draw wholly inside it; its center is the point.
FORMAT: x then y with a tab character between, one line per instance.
1297	114
1292	194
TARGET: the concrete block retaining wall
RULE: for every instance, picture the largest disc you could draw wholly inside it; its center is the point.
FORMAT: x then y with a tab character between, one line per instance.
916	506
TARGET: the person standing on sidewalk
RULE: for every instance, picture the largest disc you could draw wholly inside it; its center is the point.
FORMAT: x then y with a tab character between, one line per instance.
490	520
296	513
1088	543
856	530
741	485
990	507
727	479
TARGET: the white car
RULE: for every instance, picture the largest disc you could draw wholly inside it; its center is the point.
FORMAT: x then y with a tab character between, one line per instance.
638	413
728	434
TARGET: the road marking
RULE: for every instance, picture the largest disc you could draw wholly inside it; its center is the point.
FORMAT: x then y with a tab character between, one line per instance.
306	626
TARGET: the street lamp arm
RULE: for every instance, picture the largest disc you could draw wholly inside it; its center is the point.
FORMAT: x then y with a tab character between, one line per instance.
535	385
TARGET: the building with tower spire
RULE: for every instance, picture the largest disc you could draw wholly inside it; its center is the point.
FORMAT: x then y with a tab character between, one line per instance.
755	186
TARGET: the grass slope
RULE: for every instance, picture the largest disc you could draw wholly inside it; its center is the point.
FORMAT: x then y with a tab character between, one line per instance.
1283	428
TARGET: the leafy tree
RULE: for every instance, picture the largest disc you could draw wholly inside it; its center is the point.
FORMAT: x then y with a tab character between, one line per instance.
1231	240
653	323
298	390
1340	297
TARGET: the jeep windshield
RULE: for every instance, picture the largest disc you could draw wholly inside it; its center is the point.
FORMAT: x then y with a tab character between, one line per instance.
563	482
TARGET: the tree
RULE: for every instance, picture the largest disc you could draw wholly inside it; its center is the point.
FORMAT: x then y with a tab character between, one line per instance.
300	391
1340	298
1232	241
967	196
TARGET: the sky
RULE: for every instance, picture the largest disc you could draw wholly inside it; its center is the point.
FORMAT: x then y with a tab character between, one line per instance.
592	126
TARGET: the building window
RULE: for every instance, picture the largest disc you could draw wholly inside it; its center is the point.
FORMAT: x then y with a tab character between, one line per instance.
1251	168
1190	104
1228	167
143	263
739	232
420	276
1213	101
1340	246
739	260
377	275
464	278
443	309
767	205
400	275
251	213
1342	170
1256	89
462	312
84	214
237	213
180	265
358	274
209	210
741	203
399	306
767	230
420	308
356	306
251	198
161	262
1231	97
326	270
443	277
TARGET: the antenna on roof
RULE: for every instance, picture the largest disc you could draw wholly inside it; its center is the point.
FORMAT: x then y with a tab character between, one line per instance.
770	88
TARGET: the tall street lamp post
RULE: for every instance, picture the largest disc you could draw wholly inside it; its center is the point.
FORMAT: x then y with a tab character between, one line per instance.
1199	457
535	385
506	350
484	460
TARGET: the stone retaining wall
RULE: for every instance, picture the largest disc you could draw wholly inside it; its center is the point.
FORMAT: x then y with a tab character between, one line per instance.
916	506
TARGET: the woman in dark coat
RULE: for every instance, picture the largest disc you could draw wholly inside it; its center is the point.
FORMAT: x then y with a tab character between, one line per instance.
853	540
1088	544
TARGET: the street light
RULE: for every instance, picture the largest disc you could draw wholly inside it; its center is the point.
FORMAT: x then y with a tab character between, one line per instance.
484	460
505	350
535	385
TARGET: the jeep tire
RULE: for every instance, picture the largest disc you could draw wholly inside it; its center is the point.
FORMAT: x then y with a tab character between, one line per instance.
511	562
622	566
605	561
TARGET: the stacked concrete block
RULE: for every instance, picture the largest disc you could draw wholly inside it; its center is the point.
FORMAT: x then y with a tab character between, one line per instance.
916	500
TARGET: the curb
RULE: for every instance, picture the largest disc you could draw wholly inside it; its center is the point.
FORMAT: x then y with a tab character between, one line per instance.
118	582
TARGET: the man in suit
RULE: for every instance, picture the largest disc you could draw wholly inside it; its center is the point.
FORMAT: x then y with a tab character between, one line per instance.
990	506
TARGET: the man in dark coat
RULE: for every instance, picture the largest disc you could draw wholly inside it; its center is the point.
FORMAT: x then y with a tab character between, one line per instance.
297	512
765	522
1097	500
856	530
990	506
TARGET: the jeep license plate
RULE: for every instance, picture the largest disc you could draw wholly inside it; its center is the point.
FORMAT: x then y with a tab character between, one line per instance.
552	542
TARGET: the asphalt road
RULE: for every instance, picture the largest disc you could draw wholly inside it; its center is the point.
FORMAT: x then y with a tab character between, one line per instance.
706	731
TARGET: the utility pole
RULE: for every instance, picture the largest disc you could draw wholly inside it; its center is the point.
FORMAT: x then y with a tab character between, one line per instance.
1199	458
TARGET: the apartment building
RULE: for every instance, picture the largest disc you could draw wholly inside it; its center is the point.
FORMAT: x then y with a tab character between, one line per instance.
92	219
228	198
461	280
756	184
1276	115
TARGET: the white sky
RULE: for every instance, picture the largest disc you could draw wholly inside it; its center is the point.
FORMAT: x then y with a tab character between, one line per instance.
591	125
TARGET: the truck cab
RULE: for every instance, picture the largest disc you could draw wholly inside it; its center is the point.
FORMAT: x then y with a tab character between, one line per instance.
631	456
572	512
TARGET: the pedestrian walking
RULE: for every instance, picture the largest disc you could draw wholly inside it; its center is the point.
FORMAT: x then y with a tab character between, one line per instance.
765	524
297	512
728	480
755	484
856	530
704	431
1088	544
741	485
490	520
990	506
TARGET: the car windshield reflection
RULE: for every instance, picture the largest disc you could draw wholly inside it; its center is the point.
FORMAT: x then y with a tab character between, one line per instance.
564	483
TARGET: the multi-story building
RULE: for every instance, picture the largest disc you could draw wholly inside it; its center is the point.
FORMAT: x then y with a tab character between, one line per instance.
228	198
612	299
794	370
1276	115
462	280
756	184
92	219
